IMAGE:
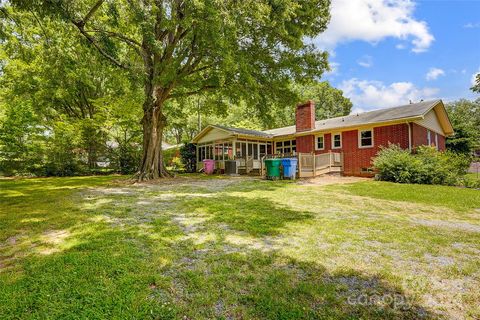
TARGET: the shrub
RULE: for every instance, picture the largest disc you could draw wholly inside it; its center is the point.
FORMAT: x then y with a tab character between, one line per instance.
426	166
128	157
189	157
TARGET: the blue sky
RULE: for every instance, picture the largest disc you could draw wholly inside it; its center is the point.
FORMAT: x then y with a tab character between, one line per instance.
387	52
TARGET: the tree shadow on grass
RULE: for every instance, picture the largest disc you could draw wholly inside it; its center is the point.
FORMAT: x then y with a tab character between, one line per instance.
256	216
121	274
254	284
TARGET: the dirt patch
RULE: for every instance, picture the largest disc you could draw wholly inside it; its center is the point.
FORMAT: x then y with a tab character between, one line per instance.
331	179
460	226
55	236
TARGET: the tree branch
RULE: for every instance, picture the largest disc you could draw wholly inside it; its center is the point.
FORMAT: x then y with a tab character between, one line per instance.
81	27
120	36
92	11
92	41
191	93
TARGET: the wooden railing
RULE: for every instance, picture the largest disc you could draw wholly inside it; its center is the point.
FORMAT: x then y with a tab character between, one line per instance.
312	165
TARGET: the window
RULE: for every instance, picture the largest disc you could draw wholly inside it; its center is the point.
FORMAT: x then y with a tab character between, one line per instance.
436	141
429	138
263	150
320	143
286	146
336	141
204	152
365	138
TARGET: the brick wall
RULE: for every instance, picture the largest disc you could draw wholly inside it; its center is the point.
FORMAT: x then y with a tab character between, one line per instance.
419	137
305	144
441	142
357	158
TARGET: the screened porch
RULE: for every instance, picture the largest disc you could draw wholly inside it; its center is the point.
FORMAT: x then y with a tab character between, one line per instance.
247	153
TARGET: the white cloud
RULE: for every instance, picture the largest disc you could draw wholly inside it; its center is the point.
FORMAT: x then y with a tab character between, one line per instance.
369	95
373	21
472	25
365	61
434	73
400	46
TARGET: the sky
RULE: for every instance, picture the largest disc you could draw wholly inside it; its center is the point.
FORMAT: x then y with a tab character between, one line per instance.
385	53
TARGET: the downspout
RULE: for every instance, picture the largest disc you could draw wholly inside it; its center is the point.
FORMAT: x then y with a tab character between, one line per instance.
409	136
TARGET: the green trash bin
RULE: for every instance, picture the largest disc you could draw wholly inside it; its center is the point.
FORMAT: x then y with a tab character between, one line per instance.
273	168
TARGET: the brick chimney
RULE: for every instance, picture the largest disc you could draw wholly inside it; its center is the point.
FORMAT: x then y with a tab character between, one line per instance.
305	116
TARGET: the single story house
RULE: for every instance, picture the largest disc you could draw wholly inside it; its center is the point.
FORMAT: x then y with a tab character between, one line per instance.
350	141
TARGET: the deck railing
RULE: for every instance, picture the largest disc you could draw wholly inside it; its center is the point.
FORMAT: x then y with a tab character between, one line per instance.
312	165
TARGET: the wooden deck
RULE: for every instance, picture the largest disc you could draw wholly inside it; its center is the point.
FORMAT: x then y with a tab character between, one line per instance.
312	165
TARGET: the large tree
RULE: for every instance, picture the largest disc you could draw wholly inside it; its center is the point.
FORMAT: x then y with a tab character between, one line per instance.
47	67
465	117
247	50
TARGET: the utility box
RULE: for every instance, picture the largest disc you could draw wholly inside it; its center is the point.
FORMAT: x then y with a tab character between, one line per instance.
231	167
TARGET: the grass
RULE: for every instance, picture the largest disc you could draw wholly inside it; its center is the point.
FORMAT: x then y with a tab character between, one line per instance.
199	247
440	196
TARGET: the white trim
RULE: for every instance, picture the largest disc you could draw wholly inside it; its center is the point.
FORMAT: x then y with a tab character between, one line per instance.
333	140
316	141
429	137
436	141
359	133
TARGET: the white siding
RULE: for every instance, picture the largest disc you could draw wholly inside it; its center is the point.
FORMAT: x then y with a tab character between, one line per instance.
215	134
431	122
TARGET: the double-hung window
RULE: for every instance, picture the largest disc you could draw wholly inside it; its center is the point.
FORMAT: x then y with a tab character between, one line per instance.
365	138
336	140
320	142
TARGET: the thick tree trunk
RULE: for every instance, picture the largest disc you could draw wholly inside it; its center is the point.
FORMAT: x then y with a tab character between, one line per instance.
154	121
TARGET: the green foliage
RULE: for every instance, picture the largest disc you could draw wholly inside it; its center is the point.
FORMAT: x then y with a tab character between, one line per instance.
426	166
128	158
329	103
248	51
21	141
172	158
189	157
465	118
60	80
62	154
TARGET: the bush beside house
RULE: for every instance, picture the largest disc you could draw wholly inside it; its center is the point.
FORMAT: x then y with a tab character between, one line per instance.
425	166
189	157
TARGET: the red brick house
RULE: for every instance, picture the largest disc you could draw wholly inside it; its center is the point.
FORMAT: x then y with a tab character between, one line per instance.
355	138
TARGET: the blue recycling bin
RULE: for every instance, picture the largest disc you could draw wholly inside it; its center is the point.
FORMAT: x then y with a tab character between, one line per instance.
289	167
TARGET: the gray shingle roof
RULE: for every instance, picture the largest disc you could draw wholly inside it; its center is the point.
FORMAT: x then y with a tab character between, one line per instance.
371	117
408	111
247	132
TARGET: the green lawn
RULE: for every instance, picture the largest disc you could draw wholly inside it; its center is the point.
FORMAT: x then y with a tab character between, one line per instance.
237	248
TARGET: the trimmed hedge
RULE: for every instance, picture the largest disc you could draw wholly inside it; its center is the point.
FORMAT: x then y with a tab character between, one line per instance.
425	166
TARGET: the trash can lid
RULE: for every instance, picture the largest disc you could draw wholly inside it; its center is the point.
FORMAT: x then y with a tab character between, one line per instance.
289	160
